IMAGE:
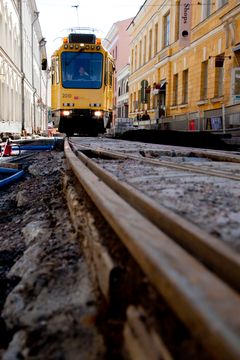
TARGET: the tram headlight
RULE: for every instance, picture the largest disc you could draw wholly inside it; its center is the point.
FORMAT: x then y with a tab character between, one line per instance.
98	113
66	112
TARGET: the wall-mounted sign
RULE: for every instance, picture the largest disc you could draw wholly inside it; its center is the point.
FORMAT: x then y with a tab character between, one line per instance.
185	23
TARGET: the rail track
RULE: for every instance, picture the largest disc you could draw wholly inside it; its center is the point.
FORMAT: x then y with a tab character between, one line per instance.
117	155
195	273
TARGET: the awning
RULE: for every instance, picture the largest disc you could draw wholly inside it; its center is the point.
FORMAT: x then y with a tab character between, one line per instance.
236	48
162	83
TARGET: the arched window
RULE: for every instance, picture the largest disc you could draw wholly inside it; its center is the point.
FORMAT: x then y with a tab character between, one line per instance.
127	87
119	91
122	88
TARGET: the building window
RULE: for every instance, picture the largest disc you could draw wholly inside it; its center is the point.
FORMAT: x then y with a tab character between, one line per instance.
219	74
206	9
166	30
119	112
148	92
135	103
131	103
140	54
185	87
127	88
122	87
132	62
175	90
177	20
204	80
156	39
139	99
135	57
144	49
150	45
222	3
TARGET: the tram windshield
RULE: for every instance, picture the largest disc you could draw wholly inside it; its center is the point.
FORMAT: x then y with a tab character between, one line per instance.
82	70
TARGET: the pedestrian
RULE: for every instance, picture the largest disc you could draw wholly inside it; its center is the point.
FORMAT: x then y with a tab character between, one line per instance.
145	116
50	129
161	112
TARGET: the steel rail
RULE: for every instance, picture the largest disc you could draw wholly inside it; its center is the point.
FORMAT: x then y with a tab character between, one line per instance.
217	155
206	305
211	251
163	163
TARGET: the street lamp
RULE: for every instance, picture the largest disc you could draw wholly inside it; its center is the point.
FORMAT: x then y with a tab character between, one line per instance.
42	42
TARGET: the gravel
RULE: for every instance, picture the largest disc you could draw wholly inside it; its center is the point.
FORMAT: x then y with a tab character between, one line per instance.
48	303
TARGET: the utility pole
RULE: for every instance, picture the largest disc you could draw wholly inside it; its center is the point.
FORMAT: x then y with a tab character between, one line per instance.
76	7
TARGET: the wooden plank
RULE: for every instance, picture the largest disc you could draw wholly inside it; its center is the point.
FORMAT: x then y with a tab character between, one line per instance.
10	165
208	307
212	252
141	341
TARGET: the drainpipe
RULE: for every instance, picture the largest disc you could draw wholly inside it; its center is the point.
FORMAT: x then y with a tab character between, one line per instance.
21	68
34	111
36	13
42	43
46	99
223	119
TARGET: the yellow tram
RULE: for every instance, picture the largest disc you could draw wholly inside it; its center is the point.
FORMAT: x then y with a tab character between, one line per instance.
82	85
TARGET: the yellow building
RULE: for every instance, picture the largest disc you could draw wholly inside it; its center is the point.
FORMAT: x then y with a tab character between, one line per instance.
187	86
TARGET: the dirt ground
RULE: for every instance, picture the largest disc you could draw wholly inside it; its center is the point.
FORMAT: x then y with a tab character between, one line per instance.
47	301
49	306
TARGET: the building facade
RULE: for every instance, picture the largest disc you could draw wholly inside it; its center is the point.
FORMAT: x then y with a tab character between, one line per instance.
187	79
23	69
122	89
117	42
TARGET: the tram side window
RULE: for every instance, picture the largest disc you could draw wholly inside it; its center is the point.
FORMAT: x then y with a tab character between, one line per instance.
57	70
106	72
53	71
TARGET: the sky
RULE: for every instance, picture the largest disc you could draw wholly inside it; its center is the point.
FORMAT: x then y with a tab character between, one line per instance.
57	16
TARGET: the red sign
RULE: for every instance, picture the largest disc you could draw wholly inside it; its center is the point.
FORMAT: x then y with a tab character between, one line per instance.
191	125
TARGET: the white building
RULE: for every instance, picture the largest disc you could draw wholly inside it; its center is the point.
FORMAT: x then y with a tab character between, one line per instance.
23	69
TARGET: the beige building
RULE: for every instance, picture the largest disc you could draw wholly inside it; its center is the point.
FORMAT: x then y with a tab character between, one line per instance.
187	78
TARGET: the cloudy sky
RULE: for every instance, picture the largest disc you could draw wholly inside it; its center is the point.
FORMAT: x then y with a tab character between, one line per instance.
57	16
